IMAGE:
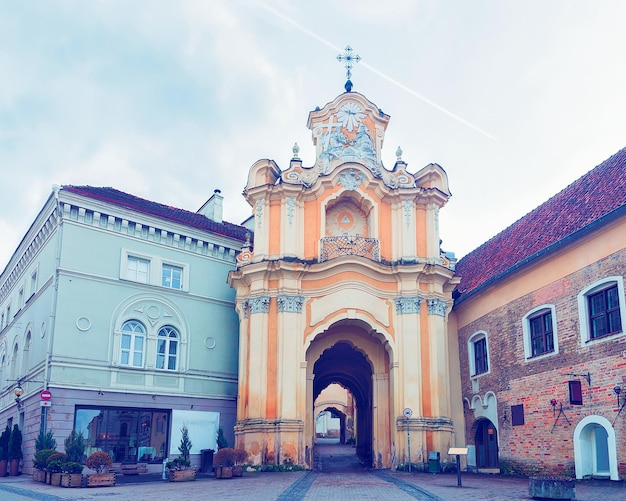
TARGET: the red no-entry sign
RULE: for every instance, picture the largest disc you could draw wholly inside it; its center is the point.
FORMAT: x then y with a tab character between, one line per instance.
45	395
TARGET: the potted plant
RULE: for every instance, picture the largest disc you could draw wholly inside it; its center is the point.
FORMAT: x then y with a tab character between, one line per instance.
179	469
100	462
15	451
40	462
239	457
223	462
4	447
54	468
72	474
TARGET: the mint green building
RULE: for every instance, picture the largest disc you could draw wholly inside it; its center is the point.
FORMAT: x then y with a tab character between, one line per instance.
119	308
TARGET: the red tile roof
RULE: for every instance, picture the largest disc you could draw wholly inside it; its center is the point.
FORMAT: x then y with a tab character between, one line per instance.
589	201
166	212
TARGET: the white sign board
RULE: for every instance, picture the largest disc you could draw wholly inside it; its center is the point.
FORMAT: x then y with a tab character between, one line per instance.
202	428
457	451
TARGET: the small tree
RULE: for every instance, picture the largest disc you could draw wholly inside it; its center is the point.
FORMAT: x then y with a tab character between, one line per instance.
75	447
185	443
4	443
45	441
15	444
221	439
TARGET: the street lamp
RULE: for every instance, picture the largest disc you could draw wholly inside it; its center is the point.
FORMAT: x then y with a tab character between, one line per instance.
18	391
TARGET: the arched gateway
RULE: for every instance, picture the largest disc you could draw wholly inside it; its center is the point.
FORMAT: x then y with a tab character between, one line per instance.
346	284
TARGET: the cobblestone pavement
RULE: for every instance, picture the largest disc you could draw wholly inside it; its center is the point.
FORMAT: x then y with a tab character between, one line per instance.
339	476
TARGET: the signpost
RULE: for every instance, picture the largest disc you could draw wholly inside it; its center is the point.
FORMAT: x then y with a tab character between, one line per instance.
45	395
458	452
407	414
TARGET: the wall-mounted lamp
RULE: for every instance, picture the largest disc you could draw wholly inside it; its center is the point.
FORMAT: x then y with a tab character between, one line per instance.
618	391
553	403
18	391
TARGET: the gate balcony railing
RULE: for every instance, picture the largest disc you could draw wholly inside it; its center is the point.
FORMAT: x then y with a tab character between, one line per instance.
349	245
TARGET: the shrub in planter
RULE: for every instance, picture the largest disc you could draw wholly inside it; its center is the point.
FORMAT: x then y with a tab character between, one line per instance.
54	467
185	444
40	461
4	446
99	461
179	463
223	461
15	450
72	474
239	456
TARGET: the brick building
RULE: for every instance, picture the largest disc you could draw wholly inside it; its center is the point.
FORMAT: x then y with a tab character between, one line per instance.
540	312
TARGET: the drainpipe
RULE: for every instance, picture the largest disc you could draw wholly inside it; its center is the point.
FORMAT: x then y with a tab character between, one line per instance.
55	295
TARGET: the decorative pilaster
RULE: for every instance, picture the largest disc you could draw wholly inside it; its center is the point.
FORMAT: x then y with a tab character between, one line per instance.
260	304
410	304
290	304
437	306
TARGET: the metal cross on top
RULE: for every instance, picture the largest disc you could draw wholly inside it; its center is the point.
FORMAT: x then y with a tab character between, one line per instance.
348	59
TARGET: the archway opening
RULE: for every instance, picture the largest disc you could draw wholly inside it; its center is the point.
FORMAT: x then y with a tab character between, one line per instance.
346	366
334	416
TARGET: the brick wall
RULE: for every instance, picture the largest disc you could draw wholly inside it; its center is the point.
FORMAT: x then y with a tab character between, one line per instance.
543	444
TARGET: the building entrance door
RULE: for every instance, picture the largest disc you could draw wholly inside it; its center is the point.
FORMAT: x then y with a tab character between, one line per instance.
486	445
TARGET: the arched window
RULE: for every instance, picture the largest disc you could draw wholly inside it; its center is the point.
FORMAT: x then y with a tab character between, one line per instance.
167	348
3	371
478	352
133	343
26	354
14	362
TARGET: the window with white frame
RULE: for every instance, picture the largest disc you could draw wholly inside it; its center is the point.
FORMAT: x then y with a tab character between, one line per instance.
133	344
478	352
33	283
167	348
138	269
601	309
539	328
172	276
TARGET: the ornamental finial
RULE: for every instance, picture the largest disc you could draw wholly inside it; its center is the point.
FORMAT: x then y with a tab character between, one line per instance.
296	151
399	154
348	59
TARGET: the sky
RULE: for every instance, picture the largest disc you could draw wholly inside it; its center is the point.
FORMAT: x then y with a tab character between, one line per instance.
170	100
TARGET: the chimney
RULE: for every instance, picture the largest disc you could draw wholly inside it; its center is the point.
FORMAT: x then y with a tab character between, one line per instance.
212	209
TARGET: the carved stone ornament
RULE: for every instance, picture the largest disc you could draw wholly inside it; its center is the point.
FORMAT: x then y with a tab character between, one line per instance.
408	304
437	307
290	304
350	179
259	304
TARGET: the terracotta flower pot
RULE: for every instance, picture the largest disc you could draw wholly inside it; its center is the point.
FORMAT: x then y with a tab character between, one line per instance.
3	468
14	467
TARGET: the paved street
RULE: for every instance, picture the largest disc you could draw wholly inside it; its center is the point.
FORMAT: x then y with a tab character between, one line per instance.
339	477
